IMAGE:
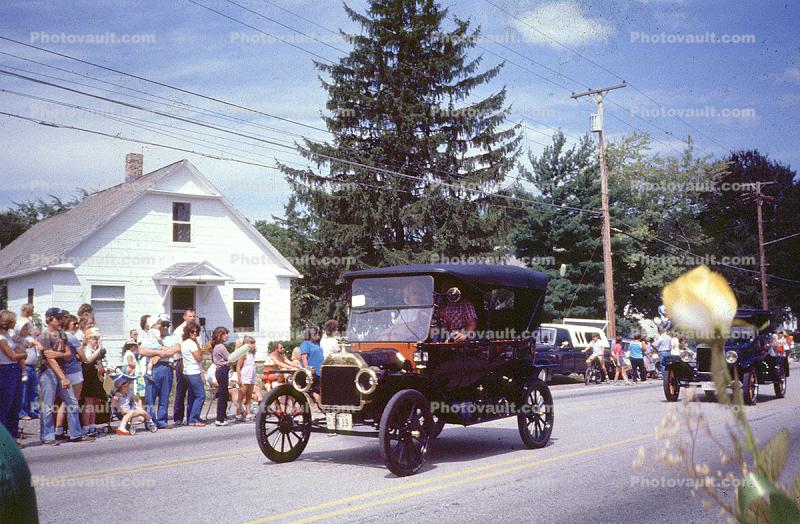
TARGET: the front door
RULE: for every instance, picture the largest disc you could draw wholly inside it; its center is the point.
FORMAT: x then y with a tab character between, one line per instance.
182	298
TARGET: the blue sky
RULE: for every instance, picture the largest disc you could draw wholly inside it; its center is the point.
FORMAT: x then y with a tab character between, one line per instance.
733	95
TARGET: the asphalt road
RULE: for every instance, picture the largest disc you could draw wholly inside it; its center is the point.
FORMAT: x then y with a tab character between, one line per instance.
481	473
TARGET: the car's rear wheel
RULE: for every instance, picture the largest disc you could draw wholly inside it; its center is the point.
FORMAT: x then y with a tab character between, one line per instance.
671	387
780	383
750	387
535	419
283	424
405	432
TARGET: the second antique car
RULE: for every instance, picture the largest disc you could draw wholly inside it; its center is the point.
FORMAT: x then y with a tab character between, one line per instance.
562	348
750	360
408	368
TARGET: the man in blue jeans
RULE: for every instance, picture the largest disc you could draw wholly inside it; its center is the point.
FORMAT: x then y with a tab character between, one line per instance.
55	383
157	391
181	383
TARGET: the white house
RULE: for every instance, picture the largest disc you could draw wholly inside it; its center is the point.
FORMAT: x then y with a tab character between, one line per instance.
158	242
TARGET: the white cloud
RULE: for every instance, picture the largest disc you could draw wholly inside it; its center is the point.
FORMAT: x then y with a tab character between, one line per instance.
563	21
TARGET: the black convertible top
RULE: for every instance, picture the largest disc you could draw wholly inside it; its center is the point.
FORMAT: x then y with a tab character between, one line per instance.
489	274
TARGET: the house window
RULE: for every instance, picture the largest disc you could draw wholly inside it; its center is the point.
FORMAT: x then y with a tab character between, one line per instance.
30	295
109	308
181	218
245	310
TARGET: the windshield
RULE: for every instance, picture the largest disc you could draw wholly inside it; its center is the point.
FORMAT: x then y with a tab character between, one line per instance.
396	309
545	336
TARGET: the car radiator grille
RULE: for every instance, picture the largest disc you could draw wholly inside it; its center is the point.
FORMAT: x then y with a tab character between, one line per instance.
338	387
704	359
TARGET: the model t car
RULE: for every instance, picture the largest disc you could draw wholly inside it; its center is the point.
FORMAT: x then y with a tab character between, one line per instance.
748	354
426	345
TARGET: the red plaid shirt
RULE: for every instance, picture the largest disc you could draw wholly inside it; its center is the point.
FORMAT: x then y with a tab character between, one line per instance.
459	314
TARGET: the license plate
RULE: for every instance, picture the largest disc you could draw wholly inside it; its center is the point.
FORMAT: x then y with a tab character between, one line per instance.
708	385
344	421
339	421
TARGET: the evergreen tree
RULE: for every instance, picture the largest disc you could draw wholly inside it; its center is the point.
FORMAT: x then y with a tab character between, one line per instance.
401	101
564	177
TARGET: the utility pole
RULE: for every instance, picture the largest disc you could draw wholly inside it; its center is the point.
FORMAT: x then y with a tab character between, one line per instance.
608	272
760	198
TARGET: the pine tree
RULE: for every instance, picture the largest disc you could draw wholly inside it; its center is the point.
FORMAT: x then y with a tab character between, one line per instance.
400	101
564	177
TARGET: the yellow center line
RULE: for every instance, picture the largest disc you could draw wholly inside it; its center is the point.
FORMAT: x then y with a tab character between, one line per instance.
152	466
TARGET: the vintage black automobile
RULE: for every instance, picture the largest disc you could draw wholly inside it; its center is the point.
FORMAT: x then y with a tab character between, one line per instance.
750	360
403	375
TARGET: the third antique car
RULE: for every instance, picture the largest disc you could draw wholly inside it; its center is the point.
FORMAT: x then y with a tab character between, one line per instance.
427	345
748	354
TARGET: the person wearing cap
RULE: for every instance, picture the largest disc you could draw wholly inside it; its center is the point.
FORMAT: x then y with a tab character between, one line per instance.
54	381
158	389
181	384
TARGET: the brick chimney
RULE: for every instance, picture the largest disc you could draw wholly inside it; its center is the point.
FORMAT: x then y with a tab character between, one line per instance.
133	166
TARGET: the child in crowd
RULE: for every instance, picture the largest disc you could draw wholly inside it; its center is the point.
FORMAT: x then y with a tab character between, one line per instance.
153	342
130	406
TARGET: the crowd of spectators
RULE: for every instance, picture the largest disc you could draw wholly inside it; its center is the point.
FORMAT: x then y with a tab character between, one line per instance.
57	372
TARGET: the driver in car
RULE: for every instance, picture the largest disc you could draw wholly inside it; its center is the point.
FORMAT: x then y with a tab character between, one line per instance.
458	316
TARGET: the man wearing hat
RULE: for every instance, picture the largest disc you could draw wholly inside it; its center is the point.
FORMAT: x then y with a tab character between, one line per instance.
55	382
158	390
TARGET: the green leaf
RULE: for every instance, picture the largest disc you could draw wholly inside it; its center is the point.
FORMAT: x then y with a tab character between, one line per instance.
782	509
775	453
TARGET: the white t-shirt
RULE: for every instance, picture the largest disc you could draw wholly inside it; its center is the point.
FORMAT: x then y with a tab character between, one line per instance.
675	345
4	360
190	365
30	349
328	344
125	362
597	348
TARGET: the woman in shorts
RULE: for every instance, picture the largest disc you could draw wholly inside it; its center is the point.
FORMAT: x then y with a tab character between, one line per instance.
246	373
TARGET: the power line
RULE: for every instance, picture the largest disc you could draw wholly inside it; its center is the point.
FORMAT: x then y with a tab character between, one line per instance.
265	17
233	19
601	67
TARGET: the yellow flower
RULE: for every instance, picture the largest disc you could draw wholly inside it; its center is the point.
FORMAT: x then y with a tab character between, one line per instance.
700	303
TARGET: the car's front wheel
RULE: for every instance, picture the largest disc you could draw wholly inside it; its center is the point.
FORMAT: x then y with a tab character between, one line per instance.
780	383
283	424
535	419
750	387
405	432
671	387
